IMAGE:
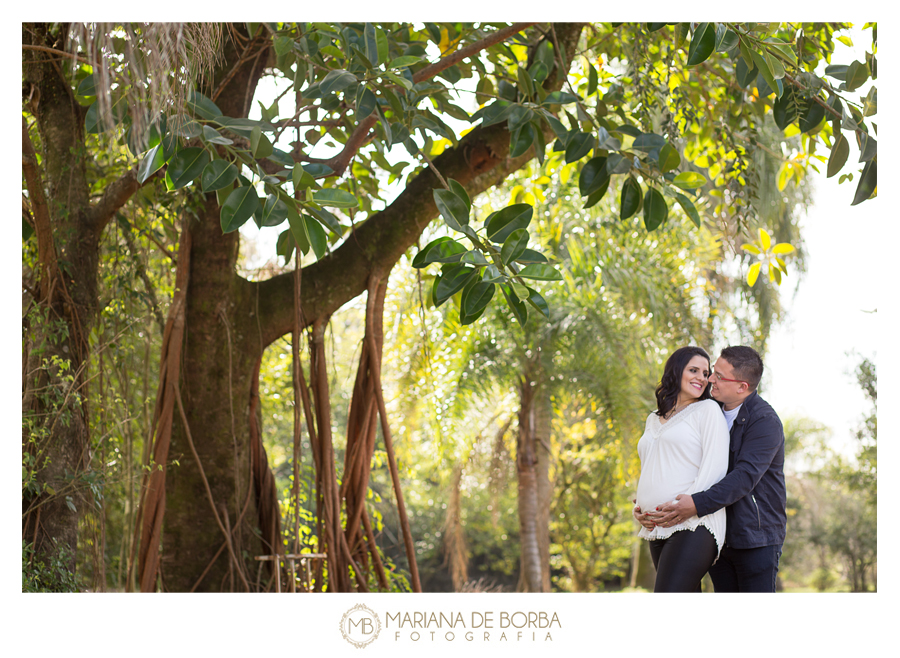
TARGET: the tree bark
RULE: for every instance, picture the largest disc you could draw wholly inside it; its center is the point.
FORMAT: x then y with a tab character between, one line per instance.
222	307
67	234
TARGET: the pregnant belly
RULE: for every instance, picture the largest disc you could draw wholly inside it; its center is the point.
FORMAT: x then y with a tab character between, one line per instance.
652	492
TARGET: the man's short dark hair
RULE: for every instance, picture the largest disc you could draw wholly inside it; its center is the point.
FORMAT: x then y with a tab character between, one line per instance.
746	363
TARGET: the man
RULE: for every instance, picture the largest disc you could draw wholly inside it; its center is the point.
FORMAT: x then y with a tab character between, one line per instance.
753	491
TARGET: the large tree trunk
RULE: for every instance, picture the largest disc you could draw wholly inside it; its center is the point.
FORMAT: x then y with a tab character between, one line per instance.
212	490
216	382
56	352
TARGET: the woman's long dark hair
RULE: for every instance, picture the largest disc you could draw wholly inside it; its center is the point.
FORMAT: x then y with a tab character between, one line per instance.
670	384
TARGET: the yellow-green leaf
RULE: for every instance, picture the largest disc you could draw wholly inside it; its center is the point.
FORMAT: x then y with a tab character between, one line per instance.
751	248
783	248
753	274
785	173
765	240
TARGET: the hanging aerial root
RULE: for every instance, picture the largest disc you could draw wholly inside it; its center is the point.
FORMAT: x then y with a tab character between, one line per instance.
153	485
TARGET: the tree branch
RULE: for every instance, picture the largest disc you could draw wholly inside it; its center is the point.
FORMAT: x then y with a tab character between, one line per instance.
114	197
40	213
479	162
359	136
61	53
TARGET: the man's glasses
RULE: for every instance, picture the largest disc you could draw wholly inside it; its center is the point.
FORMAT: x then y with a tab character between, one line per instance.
725	379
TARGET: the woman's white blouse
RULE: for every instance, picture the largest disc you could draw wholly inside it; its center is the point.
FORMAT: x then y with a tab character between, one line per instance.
687	454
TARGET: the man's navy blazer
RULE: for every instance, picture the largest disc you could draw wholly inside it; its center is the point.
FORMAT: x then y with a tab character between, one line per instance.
753	492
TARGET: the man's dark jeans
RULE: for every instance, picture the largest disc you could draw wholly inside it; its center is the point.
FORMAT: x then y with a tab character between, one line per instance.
746	569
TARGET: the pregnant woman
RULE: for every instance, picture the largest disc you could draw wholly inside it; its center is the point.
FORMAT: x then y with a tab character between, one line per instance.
684	450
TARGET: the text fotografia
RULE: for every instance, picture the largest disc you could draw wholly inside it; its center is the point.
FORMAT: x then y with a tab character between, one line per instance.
480	626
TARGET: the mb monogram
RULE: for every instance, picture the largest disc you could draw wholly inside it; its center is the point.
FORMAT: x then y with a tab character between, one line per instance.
360	625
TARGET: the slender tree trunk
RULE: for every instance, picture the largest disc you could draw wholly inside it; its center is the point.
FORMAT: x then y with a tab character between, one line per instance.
543	414
531	580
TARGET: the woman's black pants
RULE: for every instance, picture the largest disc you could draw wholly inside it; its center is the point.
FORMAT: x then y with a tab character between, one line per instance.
682	559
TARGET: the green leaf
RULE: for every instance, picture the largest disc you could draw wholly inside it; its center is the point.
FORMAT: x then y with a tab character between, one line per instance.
201	106
185	167
317	238
285	245
775	65
766	73
785	109
371	44
857	74
592	176
441	250
595	196
524	81
152	162
274	211
868	181
473	257
785	49
336	198
327	219
514	246
655	209
868	147
501	224
812	117
870	103
689	180
520	311
521	140
454	210
703	43
617	164
260	145
238	208
87	87
745	73
492	275
217	175
460	191
365	102
540	272
212	136
317	170
725	39
535	299
840	150
578	146
336	81
451	281
301	178
27	230
630	198
400	80
474	300
495	112
531	256
648	142
688	207
404	60
559	98
298	230
669	158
